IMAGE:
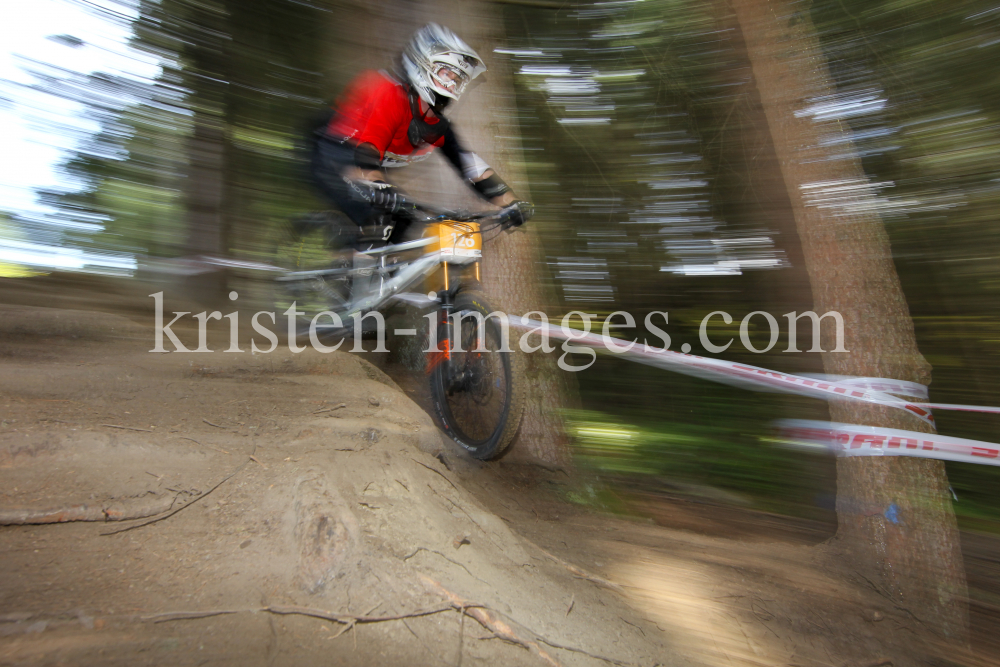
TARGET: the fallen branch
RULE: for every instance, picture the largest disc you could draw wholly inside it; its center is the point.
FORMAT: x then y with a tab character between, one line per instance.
281	610
128	428
583	574
435	470
185	505
211	424
24	517
336	407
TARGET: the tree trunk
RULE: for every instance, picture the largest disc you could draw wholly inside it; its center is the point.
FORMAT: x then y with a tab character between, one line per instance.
894	513
205	201
486	121
514	270
206	183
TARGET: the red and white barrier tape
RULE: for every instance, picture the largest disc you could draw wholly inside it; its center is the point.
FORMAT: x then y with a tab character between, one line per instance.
743	375
869	390
854	440
900	387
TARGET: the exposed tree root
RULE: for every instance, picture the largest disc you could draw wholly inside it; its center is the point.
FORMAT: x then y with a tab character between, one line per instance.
491	621
283	610
583	574
436	471
21	517
501	629
486	617
128	428
159	509
185	505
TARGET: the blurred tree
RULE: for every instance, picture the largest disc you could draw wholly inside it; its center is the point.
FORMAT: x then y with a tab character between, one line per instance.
250	73
207	57
513	266
894	513
223	58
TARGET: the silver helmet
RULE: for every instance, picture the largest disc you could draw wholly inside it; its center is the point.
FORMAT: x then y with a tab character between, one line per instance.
437	63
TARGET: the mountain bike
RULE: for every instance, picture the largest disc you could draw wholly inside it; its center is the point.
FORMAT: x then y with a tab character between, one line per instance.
476	381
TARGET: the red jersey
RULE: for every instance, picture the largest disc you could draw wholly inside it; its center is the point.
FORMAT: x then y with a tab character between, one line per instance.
375	109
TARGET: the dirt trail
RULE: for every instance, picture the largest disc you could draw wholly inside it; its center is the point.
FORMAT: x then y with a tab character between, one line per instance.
310	484
334	496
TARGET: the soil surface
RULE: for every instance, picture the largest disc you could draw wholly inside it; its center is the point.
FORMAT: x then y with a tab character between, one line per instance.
290	509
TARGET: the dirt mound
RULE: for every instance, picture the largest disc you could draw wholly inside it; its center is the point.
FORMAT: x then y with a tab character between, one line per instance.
273	503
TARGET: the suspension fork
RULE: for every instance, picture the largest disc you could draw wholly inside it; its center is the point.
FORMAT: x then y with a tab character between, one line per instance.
447	306
443	356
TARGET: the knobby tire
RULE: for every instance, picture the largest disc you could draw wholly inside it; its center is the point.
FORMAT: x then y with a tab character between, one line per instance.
481	414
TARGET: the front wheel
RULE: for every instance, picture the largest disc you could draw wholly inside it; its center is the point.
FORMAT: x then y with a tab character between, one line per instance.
478	390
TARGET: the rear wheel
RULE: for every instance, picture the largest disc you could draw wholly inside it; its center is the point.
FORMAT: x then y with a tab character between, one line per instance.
322	279
478	391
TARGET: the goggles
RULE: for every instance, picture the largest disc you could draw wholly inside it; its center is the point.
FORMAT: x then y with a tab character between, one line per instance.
449	77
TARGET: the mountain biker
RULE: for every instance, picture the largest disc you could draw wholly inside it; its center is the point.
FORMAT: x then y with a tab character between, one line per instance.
390	119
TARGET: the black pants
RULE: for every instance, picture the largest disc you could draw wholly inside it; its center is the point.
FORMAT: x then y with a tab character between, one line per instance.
330	161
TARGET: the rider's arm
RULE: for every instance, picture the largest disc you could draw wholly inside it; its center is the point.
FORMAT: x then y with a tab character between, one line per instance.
368	115
479	175
505	199
367	182
367	160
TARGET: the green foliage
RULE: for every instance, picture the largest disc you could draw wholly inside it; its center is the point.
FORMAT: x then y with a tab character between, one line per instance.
671	78
249	68
721	462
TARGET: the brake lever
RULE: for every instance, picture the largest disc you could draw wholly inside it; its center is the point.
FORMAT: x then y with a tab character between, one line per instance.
506	224
509	227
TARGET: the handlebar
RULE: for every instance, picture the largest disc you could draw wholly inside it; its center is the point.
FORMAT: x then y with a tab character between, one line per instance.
503	217
387	198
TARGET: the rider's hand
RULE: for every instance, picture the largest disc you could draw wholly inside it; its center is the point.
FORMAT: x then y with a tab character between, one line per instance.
518	213
386	197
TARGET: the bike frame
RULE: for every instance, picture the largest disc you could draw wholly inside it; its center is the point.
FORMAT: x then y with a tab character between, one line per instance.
394	278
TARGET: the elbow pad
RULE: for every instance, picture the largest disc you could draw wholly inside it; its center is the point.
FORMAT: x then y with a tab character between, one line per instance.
491	186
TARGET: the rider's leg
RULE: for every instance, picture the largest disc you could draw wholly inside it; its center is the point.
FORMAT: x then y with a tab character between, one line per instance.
330	162
334	172
332	168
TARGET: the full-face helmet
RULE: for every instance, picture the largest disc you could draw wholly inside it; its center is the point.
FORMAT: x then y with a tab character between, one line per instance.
439	65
